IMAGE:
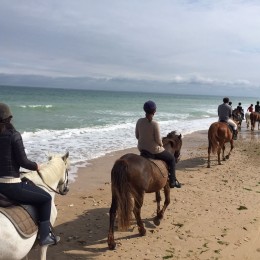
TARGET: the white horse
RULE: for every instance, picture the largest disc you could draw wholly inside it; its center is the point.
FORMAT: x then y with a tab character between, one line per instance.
53	175
247	116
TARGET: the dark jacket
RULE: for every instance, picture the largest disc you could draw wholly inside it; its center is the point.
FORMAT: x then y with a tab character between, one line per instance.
257	108
12	154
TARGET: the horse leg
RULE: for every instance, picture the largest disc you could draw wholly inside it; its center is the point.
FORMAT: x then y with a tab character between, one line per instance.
160	213
138	203
43	252
231	148
158	198
223	152
252	125
112	216
209	149
218	152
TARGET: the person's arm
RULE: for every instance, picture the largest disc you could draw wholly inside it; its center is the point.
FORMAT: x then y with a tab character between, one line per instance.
230	112
157	134
20	155
137	131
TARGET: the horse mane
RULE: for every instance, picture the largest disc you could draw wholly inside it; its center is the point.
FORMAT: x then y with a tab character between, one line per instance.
48	171
172	134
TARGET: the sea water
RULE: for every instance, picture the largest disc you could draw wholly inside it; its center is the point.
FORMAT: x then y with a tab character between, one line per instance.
90	124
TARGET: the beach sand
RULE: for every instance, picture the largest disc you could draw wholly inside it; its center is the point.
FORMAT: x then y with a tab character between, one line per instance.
215	215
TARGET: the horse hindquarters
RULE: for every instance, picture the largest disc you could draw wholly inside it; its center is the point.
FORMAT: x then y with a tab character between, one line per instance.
122	204
213	143
121	193
12	245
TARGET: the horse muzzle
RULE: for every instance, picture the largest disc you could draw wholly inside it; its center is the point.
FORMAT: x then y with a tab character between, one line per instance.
65	191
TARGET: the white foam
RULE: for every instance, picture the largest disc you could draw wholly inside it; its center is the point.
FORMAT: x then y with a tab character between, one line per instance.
85	144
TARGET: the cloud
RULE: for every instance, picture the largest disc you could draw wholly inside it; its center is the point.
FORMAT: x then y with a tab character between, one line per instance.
185	42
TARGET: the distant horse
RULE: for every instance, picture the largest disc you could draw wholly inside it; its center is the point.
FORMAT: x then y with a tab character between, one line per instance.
53	175
219	133
254	117
132	176
237	117
247	116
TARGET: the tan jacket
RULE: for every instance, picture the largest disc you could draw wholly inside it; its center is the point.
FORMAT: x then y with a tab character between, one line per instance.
149	136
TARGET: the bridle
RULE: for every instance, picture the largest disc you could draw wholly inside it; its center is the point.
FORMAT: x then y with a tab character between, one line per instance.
65	183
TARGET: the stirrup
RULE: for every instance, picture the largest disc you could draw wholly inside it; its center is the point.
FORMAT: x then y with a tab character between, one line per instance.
175	184
50	240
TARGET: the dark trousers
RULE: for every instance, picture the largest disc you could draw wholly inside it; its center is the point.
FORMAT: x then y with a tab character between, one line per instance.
26	193
169	159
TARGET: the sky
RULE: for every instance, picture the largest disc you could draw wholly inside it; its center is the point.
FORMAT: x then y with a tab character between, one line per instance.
193	46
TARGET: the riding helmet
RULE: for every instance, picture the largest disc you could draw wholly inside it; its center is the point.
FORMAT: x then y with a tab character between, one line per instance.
149	107
5	112
225	99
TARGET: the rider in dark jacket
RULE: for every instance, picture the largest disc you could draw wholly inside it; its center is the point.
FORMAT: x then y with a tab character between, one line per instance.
12	157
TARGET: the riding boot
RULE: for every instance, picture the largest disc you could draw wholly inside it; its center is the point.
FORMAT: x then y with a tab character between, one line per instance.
46	236
234	134
173	182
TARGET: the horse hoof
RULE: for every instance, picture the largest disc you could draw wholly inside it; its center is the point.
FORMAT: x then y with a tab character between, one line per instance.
224	159
112	246
142	231
156	221
227	157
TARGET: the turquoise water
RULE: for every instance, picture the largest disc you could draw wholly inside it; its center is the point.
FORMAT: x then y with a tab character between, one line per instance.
92	123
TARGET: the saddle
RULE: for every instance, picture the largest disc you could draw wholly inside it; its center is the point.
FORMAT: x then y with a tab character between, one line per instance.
23	217
230	126
160	164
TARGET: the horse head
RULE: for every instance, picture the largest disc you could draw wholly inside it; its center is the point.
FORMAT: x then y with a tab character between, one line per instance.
63	184
173	143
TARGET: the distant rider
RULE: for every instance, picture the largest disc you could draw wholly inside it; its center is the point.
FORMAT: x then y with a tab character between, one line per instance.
224	114
147	132
241	110
251	108
257	107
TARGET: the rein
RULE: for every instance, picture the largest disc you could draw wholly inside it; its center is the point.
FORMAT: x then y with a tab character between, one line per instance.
65	182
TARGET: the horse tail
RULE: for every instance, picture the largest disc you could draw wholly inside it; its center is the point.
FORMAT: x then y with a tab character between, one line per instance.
122	193
212	137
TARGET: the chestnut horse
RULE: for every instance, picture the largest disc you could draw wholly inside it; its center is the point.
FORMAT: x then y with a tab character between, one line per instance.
131	177
254	117
219	133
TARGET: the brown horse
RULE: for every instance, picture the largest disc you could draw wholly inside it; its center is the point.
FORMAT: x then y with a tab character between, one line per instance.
254	117
219	133
131	177
237	117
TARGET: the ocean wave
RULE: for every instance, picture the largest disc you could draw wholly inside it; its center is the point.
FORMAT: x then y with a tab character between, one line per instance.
36	106
85	144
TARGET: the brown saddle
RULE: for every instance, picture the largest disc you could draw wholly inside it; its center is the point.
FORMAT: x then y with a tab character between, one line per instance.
162	166
19	217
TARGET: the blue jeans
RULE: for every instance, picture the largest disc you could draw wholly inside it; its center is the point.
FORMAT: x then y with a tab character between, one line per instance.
25	193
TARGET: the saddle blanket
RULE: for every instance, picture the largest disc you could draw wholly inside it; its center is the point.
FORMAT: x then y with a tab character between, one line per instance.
21	220
162	167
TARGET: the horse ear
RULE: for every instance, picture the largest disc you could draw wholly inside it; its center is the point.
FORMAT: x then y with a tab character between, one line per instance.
65	156
180	136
